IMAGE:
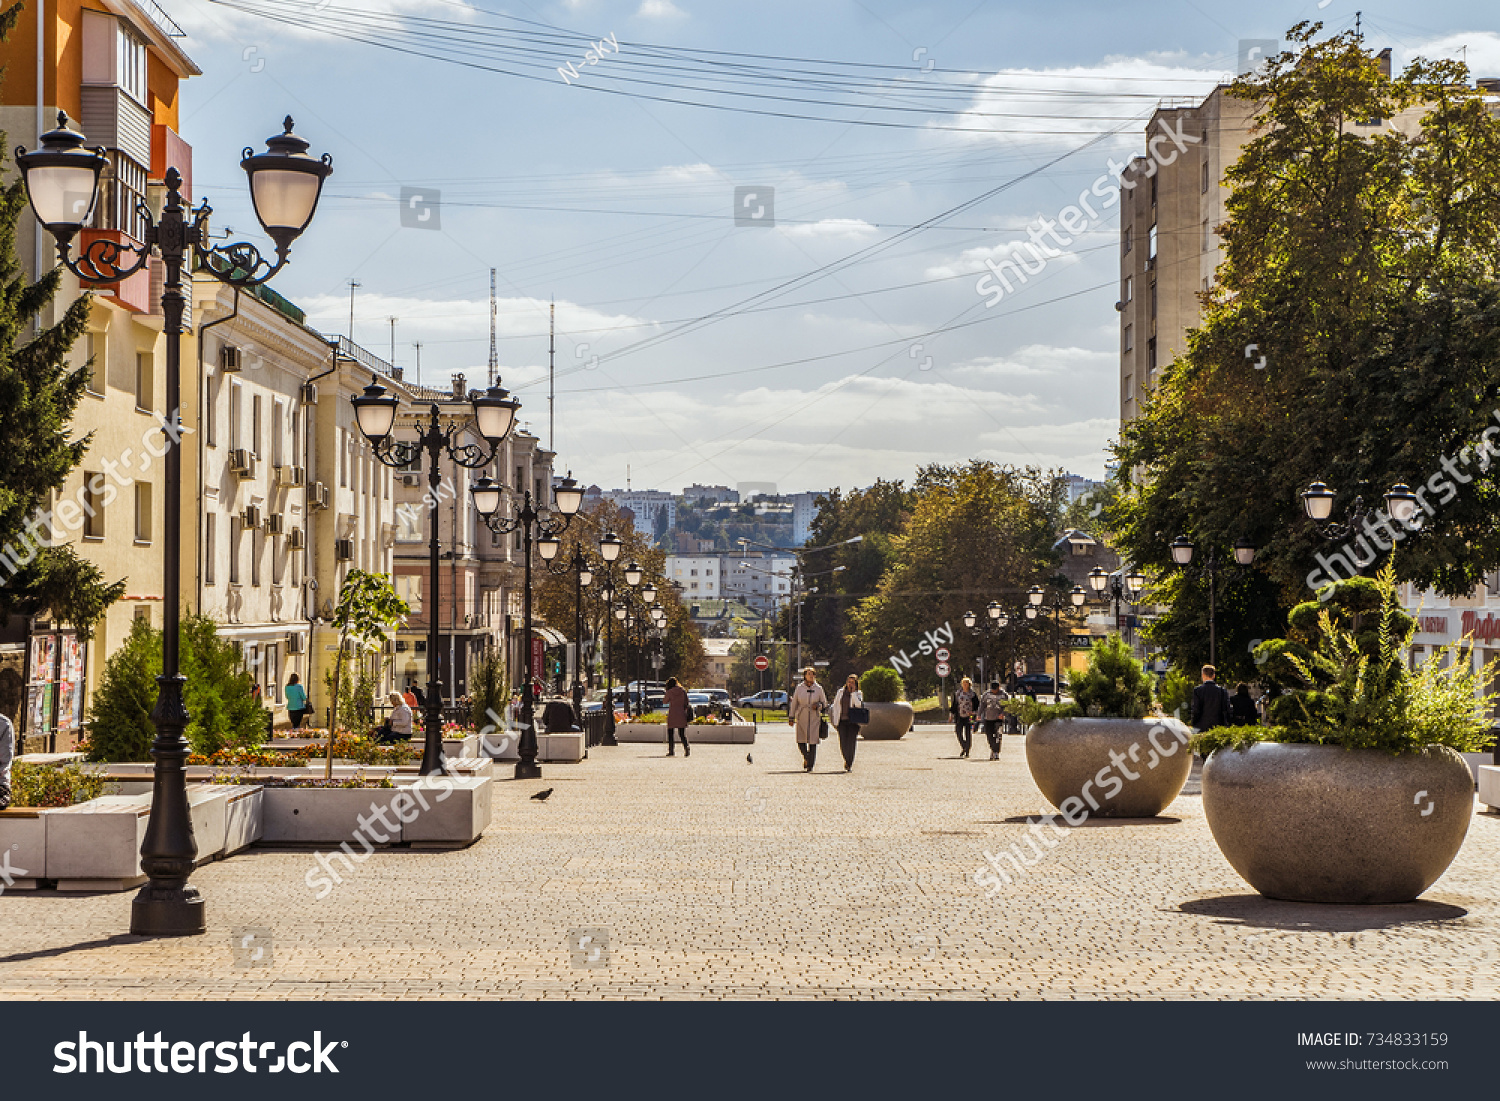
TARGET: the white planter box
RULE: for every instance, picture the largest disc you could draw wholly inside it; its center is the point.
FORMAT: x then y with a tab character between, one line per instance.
324	816
23	838
244	818
208	805
96	845
1489	786
723	734
451	811
453	747
505	745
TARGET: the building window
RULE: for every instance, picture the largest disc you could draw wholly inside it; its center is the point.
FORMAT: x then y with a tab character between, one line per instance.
131	64
89	353
1128	294
236	528
1151	354
143	512
145	382
236	401
208	548
255	424
1208	237
1153	298
143	614
343	458
1129	337
93	505
1129	238
278	451
1129	387
1154	177
1205	178
257	545
1151	244
121	189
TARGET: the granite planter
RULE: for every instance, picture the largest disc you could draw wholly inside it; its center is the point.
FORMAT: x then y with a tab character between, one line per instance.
717	734
1316	823
1110	768
888	721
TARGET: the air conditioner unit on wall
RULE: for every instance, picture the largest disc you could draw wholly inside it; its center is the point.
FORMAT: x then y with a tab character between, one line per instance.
294	644
250	518
229	358
411	479
317	495
275	524
242	462
298	539
309	393
343	550
290	476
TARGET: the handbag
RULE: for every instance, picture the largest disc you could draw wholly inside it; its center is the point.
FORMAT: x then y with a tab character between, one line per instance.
822	729
860	715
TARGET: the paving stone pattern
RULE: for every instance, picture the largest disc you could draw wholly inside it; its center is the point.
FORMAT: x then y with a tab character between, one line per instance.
709	877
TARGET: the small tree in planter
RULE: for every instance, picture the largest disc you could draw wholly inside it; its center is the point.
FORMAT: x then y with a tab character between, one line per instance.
885	696
1101	754
1357	792
368	608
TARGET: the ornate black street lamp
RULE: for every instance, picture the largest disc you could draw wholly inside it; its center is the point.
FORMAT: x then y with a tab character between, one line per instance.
533	520
1036	606
1182	549
62	183
494	415
993	614
583	574
1110	586
610	546
1317	499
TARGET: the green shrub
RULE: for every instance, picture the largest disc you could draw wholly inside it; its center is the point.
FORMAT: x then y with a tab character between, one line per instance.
221	712
487	690
52	785
882	684
1351	687
1176	690
1114	686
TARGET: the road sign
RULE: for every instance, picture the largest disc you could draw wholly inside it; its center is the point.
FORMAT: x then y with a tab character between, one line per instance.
942	653
762	662
942	669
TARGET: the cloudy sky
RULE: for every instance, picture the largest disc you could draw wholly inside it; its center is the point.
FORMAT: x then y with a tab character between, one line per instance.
761	222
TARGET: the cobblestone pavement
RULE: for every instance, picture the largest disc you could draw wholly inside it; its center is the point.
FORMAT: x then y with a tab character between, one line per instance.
710	877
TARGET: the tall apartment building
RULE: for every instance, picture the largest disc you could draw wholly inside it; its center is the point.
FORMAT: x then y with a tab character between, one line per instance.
114	66
700	575
718	495
645	506
1172	200
804	511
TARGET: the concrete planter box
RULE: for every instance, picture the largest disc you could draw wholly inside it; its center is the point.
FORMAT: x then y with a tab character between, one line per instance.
467	746
888	722
567	748
1071	762
23	838
1314	823
244	818
322	816
96	846
722	734
457	811
1489	786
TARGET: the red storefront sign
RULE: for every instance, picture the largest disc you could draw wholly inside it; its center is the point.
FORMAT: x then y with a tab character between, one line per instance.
1481	630
1433	624
538	657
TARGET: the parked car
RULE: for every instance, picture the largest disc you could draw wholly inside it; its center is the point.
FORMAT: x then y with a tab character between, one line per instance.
768	700
1036	684
718	696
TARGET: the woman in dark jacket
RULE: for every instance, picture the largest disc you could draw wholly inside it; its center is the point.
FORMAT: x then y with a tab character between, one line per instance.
1242	707
679	714
963	707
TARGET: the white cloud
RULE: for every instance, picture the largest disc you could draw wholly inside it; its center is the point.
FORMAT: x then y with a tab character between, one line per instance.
1482	48
846	229
206	21
659	9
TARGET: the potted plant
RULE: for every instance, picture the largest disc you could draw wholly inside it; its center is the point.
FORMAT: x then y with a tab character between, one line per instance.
1357	792
890	715
1102	754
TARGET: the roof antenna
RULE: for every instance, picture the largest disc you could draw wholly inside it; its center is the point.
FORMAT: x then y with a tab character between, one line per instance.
1358	33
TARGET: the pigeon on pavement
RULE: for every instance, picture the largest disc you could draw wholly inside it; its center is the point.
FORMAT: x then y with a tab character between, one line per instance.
749	760
541	796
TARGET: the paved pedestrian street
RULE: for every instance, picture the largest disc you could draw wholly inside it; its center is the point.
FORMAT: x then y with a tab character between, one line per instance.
645	876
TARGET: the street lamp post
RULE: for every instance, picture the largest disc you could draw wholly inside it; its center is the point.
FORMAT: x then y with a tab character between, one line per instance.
578	565
984	628
534	521
610	545
1035	606
494	413
1113	587
1317	499
1182	549
62	183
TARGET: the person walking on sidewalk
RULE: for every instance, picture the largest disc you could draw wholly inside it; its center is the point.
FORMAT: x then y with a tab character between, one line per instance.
679	714
1211	704
845	700
297	705
7	754
964	707
991	711
1242	706
805	714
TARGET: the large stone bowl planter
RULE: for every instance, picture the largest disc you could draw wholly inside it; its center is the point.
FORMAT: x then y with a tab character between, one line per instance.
1315	823
1071	761
888	721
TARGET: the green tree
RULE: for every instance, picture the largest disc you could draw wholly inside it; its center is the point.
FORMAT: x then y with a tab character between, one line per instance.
222	712
367	611
39	392
1363	264
488	692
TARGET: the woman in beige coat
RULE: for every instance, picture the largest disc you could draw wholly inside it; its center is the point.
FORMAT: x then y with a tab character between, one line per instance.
805	712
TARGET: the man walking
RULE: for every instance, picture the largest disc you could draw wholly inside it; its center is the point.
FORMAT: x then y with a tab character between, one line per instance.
7	753
1211	704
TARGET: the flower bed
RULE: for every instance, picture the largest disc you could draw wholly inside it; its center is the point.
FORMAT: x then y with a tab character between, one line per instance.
359	780
246	758
361	751
52	785
660	718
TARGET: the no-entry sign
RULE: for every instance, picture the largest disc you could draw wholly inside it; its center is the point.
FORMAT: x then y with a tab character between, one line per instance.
942	653
942	669
762	662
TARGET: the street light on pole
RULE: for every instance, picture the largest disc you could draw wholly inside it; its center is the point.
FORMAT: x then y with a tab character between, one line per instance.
535	522
62	184
1182	549
1036	606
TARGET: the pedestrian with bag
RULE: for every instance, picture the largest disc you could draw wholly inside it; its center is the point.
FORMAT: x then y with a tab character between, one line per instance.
7	754
298	706
963	708
805	713
1211	704
1242	706
849	714
679	715
991	711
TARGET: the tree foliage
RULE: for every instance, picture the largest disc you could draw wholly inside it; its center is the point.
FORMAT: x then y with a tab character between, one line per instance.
39	393
223	714
1362	261
367	611
1114	685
